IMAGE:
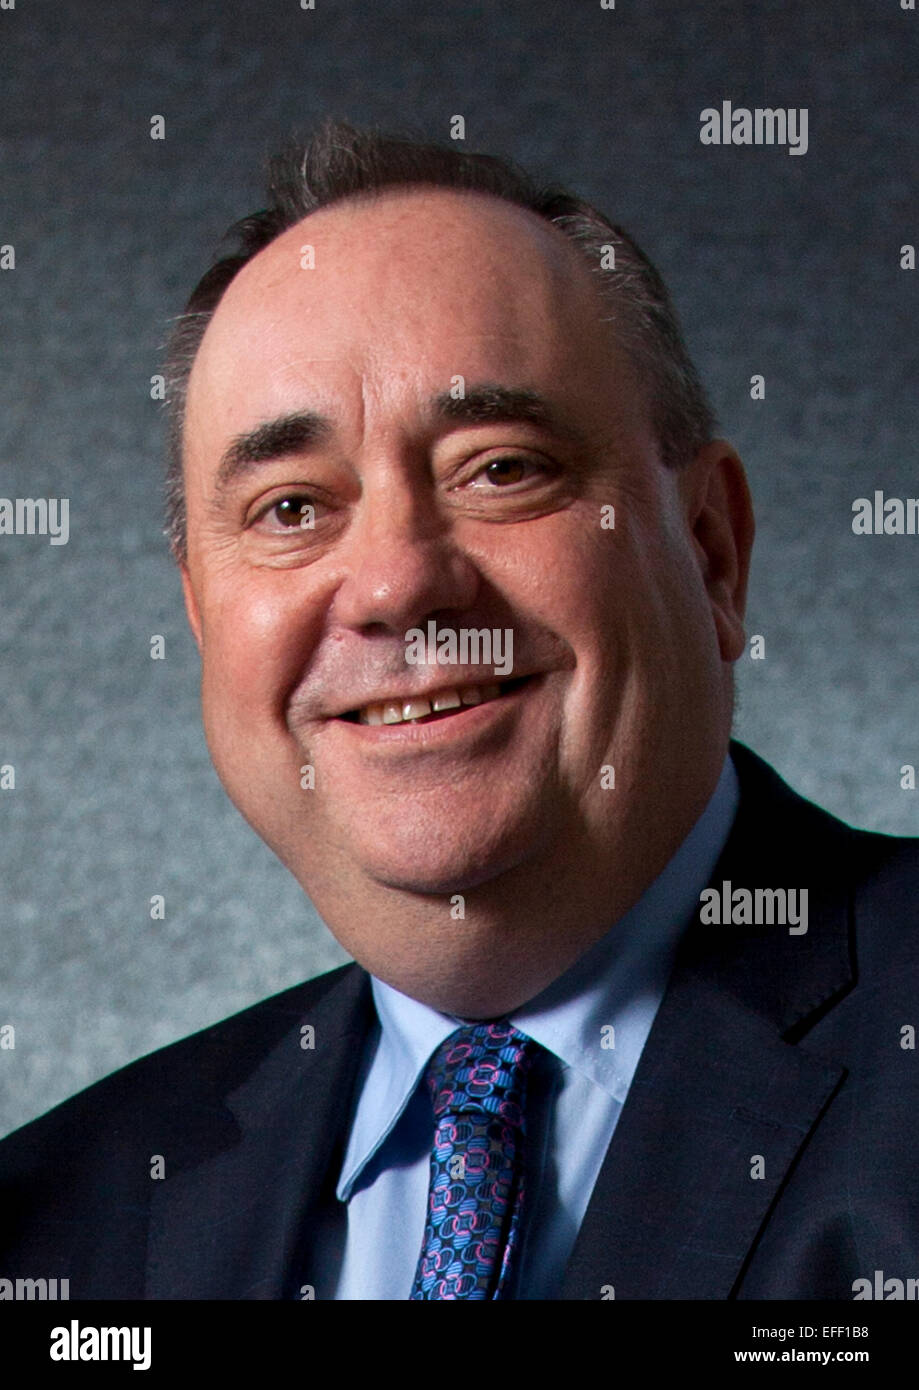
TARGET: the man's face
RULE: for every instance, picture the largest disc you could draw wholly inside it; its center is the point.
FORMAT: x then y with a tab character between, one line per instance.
464	423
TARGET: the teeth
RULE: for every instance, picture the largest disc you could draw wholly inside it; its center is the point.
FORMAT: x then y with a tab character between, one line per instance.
401	711
414	709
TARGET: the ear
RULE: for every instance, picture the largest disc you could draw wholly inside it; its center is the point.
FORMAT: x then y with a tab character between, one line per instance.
720	516
191	604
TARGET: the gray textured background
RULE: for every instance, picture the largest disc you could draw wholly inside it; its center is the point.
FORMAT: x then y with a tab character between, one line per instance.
788	266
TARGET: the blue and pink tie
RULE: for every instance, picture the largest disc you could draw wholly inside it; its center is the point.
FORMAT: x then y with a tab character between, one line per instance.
477	1080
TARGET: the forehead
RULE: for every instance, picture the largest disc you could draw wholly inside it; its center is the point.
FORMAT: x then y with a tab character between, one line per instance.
384	299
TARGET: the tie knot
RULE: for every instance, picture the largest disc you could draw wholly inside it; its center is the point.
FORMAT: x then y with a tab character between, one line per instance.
482	1069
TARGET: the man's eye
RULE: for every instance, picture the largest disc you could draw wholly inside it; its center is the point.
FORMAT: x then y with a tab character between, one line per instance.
294	513
507	470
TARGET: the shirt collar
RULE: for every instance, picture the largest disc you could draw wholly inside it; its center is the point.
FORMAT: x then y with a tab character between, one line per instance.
619	982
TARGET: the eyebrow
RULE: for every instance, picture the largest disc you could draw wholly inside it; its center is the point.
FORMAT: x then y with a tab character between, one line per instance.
280	438
490	402
297	433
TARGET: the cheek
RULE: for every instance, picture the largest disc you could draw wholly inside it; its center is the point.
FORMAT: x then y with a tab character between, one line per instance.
253	653
589	592
562	571
625	600
578	582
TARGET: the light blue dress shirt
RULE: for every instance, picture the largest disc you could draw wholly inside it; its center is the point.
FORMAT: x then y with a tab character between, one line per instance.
576	1091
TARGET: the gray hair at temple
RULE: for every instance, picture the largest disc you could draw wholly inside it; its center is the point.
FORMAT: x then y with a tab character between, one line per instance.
341	162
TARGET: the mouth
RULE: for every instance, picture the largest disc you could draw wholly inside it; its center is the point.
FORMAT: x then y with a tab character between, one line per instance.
445	703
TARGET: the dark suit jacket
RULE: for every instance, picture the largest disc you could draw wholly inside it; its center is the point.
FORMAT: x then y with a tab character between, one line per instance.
787	1047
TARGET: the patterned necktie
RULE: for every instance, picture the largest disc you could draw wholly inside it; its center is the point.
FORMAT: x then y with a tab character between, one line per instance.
477	1080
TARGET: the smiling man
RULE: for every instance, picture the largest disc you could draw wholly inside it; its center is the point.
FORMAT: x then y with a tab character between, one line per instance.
426	397
479	511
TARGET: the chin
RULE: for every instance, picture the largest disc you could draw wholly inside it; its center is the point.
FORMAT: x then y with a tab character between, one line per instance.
445	864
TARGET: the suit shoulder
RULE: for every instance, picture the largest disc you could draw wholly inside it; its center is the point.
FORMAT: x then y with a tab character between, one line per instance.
886	913
863	884
766	796
200	1069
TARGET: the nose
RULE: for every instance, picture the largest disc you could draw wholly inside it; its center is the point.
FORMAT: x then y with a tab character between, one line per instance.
403	562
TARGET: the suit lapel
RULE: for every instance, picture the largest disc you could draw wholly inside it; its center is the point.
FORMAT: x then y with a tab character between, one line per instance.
676	1209
723	1098
231	1222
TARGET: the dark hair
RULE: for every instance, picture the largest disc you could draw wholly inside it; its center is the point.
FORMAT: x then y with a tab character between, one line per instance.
340	162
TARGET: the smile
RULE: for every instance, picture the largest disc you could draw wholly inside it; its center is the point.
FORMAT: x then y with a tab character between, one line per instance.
437	704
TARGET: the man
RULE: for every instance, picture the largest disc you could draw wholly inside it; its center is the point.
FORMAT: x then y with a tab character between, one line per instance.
466	565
